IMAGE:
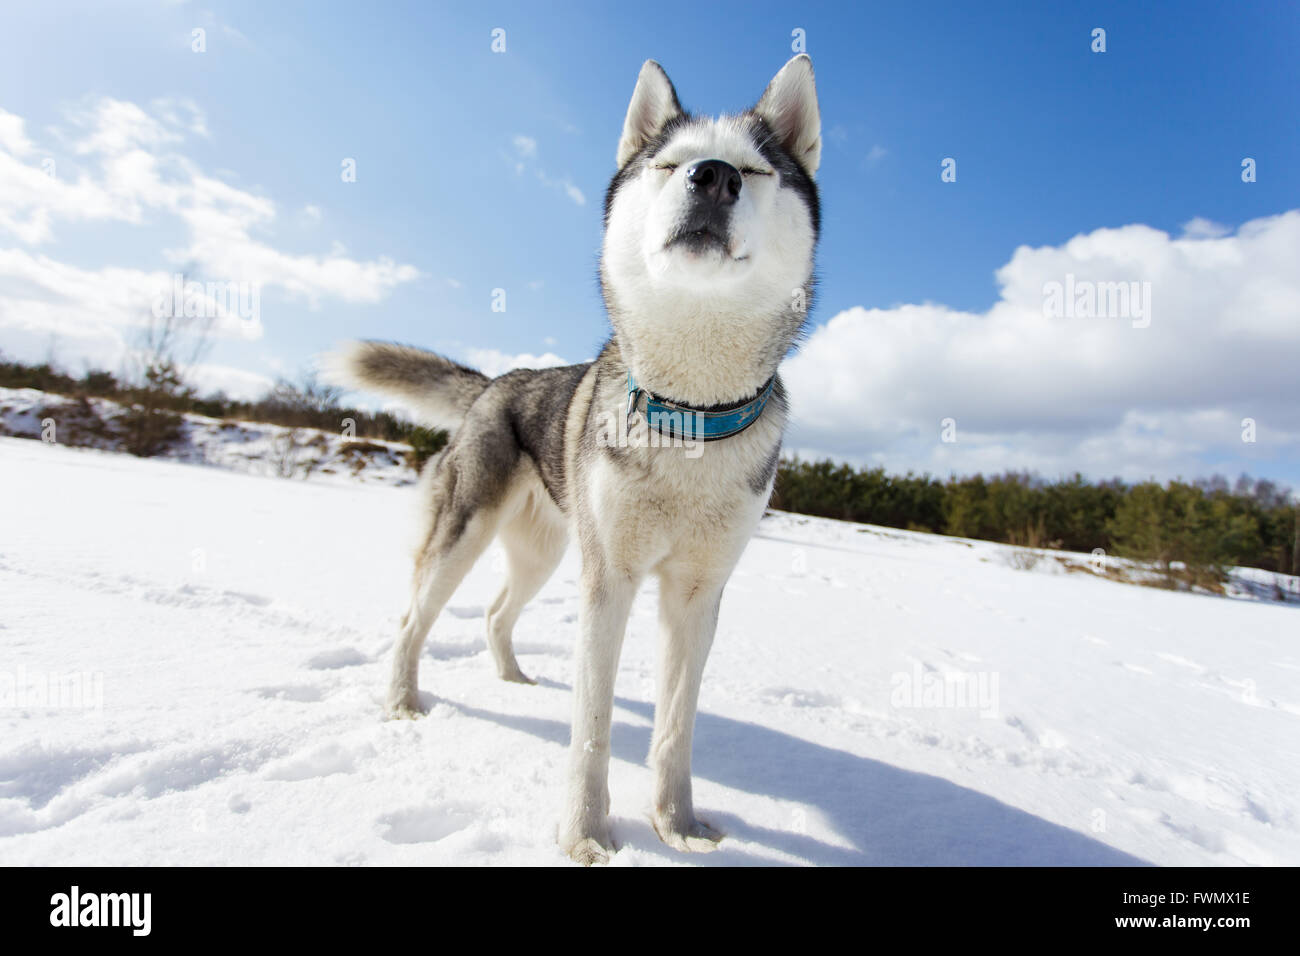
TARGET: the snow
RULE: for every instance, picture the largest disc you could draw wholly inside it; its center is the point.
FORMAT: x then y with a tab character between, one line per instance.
193	662
251	447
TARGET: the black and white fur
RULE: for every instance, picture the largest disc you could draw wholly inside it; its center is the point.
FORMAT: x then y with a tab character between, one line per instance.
706	270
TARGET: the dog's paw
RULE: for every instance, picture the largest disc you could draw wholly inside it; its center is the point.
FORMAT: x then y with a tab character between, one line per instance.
403	713
694	837
590	852
514	675
403	706
589	844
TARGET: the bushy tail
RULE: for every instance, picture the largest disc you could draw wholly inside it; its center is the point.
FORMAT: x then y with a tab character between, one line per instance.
437	389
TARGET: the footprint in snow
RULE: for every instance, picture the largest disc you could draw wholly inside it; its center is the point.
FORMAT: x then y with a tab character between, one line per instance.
795	697
425	824
443	651
335	659
321	761
302	693
1047	739
1182	662
1135	668
257	600
210	594
1020	725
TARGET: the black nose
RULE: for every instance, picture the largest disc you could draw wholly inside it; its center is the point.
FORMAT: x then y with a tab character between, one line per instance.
717	180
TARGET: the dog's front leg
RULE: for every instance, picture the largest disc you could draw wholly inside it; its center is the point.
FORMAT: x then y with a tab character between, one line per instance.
688	617
606	601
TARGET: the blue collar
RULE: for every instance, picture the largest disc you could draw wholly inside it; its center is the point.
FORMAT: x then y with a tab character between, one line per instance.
691	423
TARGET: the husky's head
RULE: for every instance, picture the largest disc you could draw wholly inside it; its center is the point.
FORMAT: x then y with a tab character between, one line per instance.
710	228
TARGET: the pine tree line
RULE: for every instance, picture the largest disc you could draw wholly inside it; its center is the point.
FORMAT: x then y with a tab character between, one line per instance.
1204	526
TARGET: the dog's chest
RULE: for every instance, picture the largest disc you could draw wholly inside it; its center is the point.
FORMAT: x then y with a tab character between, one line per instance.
648	503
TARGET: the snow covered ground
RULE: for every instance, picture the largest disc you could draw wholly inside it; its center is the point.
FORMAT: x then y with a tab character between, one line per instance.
255	448
192	662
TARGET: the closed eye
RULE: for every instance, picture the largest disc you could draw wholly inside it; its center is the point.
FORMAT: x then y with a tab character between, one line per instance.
666	167
751	171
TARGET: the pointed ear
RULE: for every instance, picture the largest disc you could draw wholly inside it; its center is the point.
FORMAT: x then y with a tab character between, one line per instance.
789	105
654	103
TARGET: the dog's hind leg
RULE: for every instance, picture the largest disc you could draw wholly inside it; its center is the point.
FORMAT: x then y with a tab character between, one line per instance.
442	563
534	539
469	489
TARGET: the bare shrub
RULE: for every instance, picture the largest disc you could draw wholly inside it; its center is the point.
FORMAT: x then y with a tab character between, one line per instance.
157	373
1027	544
284	453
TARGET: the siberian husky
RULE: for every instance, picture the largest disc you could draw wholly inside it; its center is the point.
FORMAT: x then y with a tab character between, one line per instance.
659	455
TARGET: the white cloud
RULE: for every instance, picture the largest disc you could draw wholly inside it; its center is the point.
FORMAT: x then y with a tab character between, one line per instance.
493	362
565	185
1199	228
64	300
574	193
1059	394
211	23
525	146
129	170
13	138
877	153
525	152
235	382
182	113
138	172
235	34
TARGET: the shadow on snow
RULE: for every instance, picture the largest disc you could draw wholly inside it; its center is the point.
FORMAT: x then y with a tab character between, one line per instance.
880	814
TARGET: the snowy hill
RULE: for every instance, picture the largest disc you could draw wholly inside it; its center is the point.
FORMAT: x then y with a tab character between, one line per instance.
255	448
193	662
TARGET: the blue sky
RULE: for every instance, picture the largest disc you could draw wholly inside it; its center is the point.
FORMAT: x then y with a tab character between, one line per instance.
479	170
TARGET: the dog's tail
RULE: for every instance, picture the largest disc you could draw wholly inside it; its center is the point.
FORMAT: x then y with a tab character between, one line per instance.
436	388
